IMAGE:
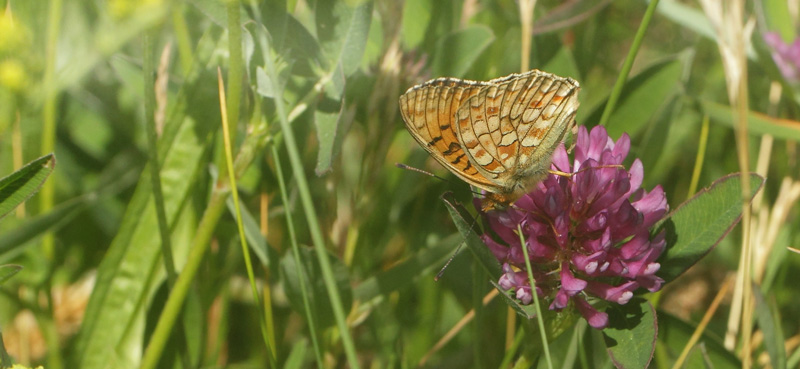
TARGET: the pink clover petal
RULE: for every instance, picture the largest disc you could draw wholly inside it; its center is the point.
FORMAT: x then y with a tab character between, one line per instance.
596	319
505	283
524	295
638	244
561	159
587	263
569	283
620	294
650	282
498	250
560	301
621	148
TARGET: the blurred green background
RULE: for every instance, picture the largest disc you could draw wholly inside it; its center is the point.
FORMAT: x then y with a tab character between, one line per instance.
86	79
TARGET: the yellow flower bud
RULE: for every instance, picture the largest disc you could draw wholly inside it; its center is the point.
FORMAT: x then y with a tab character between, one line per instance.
12	75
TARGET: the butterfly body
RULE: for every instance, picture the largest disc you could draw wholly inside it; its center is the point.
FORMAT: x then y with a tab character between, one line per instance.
497	135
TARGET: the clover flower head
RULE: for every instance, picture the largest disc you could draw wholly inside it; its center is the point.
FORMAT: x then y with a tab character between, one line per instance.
587	235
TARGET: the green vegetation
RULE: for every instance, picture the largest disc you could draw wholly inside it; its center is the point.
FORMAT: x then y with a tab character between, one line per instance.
212	183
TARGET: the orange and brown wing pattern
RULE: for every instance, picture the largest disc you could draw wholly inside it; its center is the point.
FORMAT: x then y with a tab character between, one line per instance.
428	111
511	127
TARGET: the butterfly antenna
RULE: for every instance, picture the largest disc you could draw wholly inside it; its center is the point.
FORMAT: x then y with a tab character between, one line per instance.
458	249
425	172
441	271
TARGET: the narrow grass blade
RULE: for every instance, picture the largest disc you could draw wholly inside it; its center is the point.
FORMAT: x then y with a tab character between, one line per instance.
23	183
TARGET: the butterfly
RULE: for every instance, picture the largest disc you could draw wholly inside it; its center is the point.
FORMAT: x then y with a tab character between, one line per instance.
496	135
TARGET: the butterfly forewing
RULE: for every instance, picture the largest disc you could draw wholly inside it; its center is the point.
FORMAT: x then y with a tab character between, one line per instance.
428	111
497	135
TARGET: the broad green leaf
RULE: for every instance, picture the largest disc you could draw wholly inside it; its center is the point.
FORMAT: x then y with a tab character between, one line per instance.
312	275
216	11
769	323
342	31
697	225
292	39
758	123
331	130
407	272
7	271
23	183
674	333
456	52
416	17
568	15
563	64
93	47
326	124
691	18
630	337
642	98
112	334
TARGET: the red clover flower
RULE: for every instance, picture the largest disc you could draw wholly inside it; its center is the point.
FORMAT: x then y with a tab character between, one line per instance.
587	235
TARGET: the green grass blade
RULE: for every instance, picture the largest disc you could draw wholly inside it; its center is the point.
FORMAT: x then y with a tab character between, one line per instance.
24	182
758	123
628	64
311	217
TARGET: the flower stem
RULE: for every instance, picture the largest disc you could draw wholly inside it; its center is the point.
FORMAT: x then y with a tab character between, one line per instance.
532	281
626	66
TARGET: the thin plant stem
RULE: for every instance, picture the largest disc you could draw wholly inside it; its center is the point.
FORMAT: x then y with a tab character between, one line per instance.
703	324
47	194
532	281
526	8
628	64
699	159
511	326
17	157
235	64
478	277
197	249
742	149
312	326
311	217
296	254
172	308
226	134
456	328
148	71
512	349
